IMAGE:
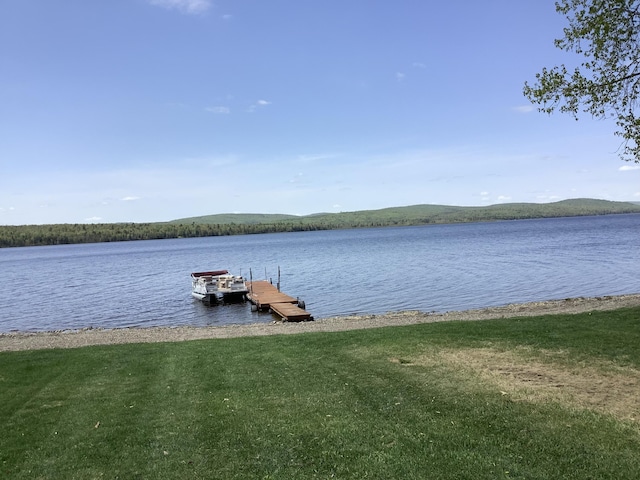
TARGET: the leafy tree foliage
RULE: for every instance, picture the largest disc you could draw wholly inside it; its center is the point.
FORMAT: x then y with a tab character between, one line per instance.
605	33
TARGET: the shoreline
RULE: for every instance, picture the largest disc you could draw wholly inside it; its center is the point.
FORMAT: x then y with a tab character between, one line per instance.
20	341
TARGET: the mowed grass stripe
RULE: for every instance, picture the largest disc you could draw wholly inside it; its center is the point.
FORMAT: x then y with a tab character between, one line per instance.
419	401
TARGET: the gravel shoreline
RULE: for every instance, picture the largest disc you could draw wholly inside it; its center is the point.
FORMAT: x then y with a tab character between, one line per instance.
81	338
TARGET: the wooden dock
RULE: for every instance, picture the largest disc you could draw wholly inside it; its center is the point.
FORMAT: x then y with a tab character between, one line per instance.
265	296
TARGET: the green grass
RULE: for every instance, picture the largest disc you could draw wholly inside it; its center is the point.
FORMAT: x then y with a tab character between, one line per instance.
377	404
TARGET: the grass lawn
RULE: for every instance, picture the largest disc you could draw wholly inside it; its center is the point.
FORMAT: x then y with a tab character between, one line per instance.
532	398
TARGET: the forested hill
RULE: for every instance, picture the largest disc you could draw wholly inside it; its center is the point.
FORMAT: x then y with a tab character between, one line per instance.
240	224
425	214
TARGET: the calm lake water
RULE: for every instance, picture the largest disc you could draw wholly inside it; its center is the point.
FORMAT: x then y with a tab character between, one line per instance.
428	268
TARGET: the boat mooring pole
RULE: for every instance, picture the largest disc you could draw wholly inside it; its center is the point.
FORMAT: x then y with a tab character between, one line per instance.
278	277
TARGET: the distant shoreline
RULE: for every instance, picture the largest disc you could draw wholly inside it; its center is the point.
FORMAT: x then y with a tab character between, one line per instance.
20	341
246	224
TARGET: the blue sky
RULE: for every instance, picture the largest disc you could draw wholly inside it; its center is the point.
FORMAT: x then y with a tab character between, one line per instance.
152	110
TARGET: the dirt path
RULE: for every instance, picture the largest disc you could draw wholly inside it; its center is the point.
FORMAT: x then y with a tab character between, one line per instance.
74	339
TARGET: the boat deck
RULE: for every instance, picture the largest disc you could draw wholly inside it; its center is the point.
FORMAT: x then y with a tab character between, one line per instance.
265	296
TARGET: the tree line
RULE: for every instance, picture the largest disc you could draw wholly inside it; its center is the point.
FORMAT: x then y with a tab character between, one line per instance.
59	234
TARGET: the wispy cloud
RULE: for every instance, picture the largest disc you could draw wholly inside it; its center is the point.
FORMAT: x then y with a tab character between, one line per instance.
258	104
524	108
298	178
227	17
400	76
189	7
548	198
190	163
485	197
309	158
130	199
418	65
218	109
626	168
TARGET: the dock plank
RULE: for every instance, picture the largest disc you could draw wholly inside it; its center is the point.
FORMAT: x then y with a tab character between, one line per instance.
289	312
265	296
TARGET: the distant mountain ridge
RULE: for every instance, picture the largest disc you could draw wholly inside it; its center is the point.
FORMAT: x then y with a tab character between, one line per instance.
253	223
237	218
427	213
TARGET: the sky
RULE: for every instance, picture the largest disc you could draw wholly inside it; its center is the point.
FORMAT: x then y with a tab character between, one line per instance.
154	110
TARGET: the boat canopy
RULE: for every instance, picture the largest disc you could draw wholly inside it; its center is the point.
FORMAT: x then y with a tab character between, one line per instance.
213	273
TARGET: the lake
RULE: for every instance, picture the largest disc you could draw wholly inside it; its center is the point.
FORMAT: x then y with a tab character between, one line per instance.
365	271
